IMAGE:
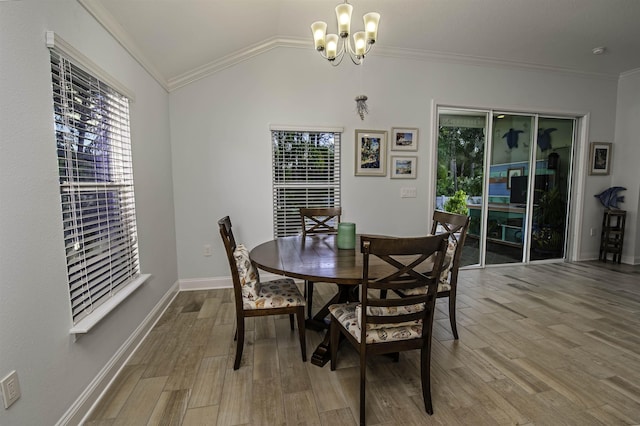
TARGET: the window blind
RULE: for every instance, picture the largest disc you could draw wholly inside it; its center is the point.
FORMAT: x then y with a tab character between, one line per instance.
306	173
96	185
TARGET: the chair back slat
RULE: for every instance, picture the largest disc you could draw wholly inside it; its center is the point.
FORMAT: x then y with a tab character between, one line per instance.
320	220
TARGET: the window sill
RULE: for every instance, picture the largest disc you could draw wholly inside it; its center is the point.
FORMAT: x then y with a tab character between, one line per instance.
88	322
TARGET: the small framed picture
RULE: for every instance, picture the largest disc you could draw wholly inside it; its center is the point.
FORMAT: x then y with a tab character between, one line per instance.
404	167
600	158
517	171
404	139
371	153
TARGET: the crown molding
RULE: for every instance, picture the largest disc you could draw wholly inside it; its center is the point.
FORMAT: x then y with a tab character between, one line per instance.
289	42
630	73
425	55
235	58
116	30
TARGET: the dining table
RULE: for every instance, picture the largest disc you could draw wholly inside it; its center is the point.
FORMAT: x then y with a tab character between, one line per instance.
315	258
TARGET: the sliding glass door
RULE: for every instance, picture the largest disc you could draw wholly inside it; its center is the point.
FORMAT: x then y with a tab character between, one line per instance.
513	170
513	141
461	157
553	154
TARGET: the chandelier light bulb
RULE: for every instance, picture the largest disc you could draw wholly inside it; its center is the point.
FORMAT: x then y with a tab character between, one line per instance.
319	29
332	46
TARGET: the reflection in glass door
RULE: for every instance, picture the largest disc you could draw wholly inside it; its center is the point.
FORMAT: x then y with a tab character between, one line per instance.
513	141
554	144
516	190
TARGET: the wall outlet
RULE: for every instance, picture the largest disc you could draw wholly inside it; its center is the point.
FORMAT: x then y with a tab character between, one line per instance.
207	250
591	232
10	389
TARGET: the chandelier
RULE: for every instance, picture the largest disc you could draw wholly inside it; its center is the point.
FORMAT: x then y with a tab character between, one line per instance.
334	46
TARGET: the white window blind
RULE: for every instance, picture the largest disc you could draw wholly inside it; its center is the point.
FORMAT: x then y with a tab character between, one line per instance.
96	185
306	173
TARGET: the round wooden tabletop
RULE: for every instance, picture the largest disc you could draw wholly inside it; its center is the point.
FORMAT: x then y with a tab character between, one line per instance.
311	258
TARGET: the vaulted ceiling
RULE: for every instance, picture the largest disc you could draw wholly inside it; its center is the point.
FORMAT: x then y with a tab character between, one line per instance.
181	40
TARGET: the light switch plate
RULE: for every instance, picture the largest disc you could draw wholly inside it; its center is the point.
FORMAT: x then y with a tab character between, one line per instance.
10	389
410	192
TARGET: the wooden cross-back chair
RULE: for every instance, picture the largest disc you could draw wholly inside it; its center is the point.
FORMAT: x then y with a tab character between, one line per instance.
456	226
389	326
318	220
254	298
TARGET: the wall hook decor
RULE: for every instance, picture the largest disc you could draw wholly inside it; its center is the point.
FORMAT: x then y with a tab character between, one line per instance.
361	106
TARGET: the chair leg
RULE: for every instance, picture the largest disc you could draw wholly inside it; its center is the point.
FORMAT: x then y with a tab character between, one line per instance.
309	295
240	343
452	315
302	333
363	374
333	343
425	376
291	321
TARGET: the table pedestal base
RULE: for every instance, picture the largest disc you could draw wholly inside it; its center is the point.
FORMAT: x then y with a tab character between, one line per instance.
322	354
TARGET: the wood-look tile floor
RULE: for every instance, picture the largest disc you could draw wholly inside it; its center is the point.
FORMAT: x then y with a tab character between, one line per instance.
552	344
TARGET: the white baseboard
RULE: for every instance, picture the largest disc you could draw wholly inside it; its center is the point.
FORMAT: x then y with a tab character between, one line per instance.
86	402
191	284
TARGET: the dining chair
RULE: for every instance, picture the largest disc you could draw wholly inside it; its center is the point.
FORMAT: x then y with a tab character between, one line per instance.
456	226
392	325
317	220
254	298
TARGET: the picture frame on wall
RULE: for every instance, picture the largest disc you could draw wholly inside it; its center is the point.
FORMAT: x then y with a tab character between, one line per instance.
600	158
515	171
371	153
404	139
404	167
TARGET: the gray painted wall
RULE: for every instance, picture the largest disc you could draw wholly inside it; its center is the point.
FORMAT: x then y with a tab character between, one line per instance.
34	307
626	170
221	143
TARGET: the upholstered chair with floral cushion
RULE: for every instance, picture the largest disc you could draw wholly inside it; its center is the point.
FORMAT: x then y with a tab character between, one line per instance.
456	226
255	298
389	326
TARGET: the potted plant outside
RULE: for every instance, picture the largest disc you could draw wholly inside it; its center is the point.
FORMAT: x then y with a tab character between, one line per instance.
457	203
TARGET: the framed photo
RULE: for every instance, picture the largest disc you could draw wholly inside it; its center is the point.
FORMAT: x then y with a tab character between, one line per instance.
371	152
404	167
600	158
516	171
404	139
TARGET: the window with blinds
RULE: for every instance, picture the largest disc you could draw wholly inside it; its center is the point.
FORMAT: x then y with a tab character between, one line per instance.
306	173
96	185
